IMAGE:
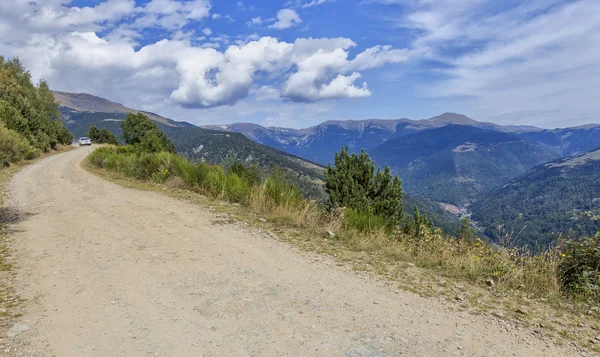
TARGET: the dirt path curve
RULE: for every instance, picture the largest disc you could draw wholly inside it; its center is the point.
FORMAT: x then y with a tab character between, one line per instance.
110	271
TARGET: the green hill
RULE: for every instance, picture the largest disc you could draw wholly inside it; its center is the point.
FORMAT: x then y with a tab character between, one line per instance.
548	201
456	163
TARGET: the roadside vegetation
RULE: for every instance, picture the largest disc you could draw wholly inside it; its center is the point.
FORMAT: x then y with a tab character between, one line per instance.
29	116
102	136
364	213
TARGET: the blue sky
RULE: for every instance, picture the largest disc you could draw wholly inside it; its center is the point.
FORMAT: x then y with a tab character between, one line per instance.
300	62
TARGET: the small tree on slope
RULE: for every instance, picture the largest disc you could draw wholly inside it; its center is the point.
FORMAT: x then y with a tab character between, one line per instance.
143	133
353	183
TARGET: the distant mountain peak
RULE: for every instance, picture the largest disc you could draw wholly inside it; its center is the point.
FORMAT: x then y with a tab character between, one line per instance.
84	102
387	124
450	118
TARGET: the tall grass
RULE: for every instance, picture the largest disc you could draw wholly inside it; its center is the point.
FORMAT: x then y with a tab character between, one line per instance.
471	260
273	196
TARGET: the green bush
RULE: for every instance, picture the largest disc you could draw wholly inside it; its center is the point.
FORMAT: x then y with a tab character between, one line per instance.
28	110
64	135
213	180
141	132
280	191
238	190
362	222
125	150
353	183
103	136
14	147
194	175
579	266
251	175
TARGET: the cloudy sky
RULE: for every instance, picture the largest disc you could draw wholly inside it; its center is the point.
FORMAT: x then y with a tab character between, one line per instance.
300	62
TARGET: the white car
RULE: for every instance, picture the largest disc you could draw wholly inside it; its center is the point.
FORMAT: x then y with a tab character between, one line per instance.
85	141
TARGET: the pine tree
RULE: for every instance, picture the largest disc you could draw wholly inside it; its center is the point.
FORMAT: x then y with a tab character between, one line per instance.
141	132
465	231
353	183
94	134
417	221
107	137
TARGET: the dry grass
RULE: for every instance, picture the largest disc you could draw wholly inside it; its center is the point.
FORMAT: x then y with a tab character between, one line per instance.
304	213
476	262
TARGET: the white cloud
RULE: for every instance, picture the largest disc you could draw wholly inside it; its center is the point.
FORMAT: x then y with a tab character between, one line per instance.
202	76
378	56
322	65
304	5
313	3
20	18
216	16
172	14
286	18
531	57
265	92
98	54
303	87
255	21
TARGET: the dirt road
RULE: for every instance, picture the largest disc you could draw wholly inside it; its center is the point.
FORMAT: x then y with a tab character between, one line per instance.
110	271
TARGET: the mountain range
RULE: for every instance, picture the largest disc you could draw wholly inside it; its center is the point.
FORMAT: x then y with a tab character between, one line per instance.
448	158
321	141
451	165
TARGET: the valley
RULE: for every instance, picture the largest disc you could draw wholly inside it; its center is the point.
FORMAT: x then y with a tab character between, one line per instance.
451	166
555	199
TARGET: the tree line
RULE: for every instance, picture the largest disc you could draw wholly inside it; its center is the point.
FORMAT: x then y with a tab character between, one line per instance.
29	117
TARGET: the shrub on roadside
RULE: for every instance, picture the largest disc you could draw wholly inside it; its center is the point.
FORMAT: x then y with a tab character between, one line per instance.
362	222
579	267
354	183
30	110
14	147
194	175
102	136
141	132
251	174
280	191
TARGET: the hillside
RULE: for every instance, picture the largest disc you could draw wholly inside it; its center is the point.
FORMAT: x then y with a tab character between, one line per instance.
548	201
456	163
569	141
320	142
83	102
214	147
